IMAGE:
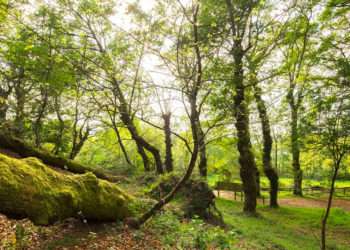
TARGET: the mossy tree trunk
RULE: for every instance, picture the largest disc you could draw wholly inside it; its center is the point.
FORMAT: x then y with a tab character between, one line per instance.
28	188
140	141
294	136
59	136
203	162
4	94
20	95
168	143
24	150
269	171
40	114
248	166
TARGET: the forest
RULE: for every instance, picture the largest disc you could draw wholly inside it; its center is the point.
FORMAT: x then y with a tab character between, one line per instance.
175	124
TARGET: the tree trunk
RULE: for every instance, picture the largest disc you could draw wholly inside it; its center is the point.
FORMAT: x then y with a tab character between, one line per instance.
202	153
59	137
31	189
194	94
270	173
80	135
4	94
139	140
122	147
20	95
258	187
40	115
168	144
241	114
329	205
167	198
298	174
24	150
246	158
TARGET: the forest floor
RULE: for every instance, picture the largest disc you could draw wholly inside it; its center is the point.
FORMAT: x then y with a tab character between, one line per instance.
293	226
288	227
73	234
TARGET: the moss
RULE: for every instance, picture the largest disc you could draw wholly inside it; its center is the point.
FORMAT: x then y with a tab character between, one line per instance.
23	149
28	188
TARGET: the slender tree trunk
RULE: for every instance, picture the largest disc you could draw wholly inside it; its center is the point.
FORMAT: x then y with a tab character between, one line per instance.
167	198
37	126
258	187
80	135
203	162
59	137
168	144
270	173
139	140
77	148
122	147
4	94
19	117
329	205
202	166
298	174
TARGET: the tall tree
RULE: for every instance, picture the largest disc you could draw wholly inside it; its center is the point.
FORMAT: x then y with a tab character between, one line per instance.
296	55
239	18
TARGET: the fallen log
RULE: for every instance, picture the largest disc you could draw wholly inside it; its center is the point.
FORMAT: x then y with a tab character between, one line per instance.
25	150
28	188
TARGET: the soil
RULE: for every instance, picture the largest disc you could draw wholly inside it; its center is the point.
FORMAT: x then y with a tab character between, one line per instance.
73	234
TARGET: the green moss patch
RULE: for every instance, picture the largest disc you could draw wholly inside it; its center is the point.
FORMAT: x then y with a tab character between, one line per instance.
28	188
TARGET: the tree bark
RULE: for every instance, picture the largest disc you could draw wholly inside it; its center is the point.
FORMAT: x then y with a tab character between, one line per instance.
203	162
246	158
4	94
248	166
139	140
168	143
37	126
202	166
59	137
79	142
329	205
167	198
20	95
298	174
269	171
122	147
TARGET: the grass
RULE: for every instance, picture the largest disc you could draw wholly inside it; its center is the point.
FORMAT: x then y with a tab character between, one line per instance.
287	228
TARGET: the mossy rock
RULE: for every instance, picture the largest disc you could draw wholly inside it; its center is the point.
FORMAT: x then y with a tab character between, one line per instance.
162	186
196	195
28	188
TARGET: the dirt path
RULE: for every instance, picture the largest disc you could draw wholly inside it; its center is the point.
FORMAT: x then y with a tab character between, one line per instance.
299	202
314	202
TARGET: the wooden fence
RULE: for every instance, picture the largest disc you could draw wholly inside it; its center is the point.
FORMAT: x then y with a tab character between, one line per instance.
237	188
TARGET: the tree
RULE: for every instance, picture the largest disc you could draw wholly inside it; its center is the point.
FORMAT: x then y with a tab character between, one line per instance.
238	29
297	65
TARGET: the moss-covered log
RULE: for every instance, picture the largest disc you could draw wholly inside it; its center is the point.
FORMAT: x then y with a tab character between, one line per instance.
25	150
28	188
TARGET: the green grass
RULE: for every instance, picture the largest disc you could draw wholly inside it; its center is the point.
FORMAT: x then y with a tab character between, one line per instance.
287	228
288	182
